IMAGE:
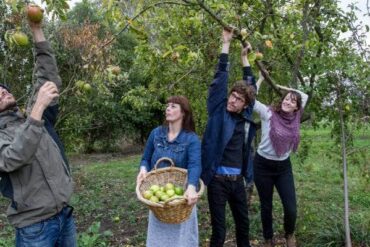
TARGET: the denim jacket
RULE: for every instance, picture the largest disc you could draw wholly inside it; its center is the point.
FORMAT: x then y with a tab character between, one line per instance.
220	125
184	151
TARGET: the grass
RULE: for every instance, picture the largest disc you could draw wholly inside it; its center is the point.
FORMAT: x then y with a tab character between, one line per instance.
108	213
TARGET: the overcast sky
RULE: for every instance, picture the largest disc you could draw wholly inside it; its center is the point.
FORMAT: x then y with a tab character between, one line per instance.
361	4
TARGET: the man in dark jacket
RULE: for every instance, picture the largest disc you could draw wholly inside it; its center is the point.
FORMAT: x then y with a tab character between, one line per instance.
226	147
34	171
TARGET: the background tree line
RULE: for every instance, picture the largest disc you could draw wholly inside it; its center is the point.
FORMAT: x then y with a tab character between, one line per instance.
120	60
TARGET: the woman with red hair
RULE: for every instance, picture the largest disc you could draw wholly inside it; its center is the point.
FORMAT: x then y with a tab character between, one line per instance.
175	139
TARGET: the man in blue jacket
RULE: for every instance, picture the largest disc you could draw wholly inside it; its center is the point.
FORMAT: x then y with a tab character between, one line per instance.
226	146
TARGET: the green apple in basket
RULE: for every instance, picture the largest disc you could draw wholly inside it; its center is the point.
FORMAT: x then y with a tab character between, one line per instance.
154	199
179	191
159	193
148	194
169	186
154	188
170	192
164	198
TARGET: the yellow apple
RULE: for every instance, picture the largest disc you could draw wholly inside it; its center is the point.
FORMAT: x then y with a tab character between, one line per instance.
244	33
147	194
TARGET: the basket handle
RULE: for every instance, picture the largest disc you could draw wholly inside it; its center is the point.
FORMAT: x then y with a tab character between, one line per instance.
162	159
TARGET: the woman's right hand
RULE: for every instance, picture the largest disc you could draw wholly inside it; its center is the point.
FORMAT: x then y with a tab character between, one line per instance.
141	175
246	49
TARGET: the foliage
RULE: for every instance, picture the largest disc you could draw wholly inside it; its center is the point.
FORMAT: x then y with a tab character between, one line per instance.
93	238
161	52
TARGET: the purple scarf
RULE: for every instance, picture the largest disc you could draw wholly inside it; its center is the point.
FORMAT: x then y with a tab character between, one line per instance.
284	132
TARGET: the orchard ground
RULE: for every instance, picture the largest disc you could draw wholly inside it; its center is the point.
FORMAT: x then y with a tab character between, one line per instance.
108	213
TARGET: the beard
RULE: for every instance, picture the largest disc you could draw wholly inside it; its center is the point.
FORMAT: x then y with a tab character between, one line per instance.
9	105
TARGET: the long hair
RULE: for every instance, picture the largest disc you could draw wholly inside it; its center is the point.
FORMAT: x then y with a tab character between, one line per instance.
188	121
296	96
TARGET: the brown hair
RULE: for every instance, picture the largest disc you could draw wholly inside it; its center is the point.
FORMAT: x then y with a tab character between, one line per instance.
188	121
248	92
296	96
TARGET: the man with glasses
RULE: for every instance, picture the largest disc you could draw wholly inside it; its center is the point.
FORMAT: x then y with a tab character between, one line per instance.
226	147
34	171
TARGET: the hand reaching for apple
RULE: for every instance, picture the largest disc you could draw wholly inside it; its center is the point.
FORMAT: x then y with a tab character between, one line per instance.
191	195
246	49
227	35
35	15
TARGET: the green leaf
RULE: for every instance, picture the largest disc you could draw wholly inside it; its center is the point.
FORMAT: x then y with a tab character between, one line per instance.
166	54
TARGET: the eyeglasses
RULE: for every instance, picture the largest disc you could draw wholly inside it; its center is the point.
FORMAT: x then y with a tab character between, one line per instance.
235	97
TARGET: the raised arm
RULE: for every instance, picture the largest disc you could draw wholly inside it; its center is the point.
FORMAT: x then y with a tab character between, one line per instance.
45	67
247	70
217	91
303	95
259	81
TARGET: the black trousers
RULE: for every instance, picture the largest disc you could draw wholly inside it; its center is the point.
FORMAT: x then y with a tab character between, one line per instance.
221	191
267	175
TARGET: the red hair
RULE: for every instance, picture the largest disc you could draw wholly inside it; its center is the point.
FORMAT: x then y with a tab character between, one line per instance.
188	121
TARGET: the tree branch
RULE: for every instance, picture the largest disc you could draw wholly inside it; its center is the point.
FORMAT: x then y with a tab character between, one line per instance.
319	50
300	55
267	77
289	59
136	16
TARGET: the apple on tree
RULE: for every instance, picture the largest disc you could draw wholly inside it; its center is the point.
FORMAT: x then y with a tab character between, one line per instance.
268	43
259	56
244	33
87	87
35	13
20	38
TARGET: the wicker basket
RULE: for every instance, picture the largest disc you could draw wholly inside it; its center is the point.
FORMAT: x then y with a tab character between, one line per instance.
175	210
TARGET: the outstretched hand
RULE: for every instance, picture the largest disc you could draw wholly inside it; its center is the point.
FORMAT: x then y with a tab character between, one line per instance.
246	49
227	35
36	28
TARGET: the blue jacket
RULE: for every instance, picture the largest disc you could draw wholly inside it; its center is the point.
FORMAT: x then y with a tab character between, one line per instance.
184	151
220	126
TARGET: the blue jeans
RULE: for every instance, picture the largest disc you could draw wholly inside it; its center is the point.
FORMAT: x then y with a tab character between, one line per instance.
57	231
267	175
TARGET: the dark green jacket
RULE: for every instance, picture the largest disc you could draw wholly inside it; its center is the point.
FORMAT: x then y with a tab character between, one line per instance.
34	171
